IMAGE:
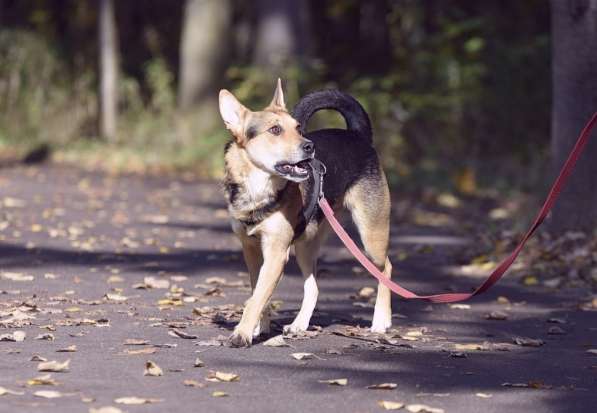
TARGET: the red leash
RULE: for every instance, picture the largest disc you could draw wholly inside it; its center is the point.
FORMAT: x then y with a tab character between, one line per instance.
499	271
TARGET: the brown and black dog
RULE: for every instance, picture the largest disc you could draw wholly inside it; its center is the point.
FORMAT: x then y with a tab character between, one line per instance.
268	184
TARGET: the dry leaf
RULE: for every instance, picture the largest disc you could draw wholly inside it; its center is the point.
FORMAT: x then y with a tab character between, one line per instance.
37	357
180	334
70	349
15	276
48	394
152	369
555	330
53	366
459	307
115	297
146	350
45	380
4	391
193	383
422	408
132	400
105	409
528	342
366	292
153	282
483	395
219	394
383	386
198	363
471	346
46	336
389	405
135	342
277	341
225	377
496	315
17	336
302	356
335	382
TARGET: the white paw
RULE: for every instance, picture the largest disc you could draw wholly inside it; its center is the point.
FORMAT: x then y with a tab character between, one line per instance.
295	327
380	326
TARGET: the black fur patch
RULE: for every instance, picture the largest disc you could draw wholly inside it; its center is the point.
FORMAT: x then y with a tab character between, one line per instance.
251	132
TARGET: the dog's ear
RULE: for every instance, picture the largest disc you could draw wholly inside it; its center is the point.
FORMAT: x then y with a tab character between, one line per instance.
278	99
233	113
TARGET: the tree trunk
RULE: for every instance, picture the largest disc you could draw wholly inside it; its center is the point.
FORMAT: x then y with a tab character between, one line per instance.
108	70
282	33
203	48
574	43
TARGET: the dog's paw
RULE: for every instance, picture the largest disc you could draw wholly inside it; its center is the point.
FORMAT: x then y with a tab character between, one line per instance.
238	339
381	327
295	328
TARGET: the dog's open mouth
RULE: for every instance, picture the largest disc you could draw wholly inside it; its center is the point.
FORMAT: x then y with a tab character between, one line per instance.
293	170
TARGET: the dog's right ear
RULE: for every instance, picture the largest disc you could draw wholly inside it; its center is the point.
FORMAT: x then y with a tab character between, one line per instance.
233	113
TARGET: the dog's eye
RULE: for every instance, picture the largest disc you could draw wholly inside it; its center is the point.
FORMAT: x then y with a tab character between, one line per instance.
275	130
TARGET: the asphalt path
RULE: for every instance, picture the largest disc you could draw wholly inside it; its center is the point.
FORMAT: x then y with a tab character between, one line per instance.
113	272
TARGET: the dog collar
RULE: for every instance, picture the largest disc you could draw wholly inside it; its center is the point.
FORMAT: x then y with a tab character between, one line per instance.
318	170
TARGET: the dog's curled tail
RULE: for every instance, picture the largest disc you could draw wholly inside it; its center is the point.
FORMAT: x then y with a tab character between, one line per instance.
353	113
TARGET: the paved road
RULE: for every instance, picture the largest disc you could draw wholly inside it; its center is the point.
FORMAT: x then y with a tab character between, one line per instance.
76	249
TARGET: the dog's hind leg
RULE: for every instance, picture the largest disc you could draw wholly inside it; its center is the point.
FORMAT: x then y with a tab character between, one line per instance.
369	203
306	256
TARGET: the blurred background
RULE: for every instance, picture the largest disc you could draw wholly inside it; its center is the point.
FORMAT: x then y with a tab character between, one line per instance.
455	88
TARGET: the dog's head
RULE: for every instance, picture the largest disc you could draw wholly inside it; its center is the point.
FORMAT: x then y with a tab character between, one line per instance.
270	137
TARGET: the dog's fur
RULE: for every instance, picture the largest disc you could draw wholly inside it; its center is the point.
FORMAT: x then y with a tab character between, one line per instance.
267	192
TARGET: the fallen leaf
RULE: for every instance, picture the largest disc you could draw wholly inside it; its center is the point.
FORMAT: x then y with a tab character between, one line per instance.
46	336
48	394
383	386
146	350
152	369
528	342
530	280
389	405
422	408
457	307
132	400
471	346
219	394
194	383
153	282
224	377
15	276
366	292
4	391
555	330
277	341
302	356
53	366
496	315
335	382
115	297
180	334
135	342
105	409
17	336
483	395
45	380
69	349
198	363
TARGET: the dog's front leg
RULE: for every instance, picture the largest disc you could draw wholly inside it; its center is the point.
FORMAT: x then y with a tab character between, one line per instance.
274	259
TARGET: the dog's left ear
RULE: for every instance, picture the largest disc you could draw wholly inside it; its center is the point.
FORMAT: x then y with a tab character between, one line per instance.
278	99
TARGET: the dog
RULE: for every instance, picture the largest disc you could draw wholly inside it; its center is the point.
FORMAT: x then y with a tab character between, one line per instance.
267	185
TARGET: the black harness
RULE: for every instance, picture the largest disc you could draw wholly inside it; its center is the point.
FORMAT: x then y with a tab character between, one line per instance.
318	170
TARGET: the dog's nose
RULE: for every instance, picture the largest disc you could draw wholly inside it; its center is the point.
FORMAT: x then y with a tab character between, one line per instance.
308	147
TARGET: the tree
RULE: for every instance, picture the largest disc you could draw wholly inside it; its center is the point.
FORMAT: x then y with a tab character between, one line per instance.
574	47
108	50
203	49
282	33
